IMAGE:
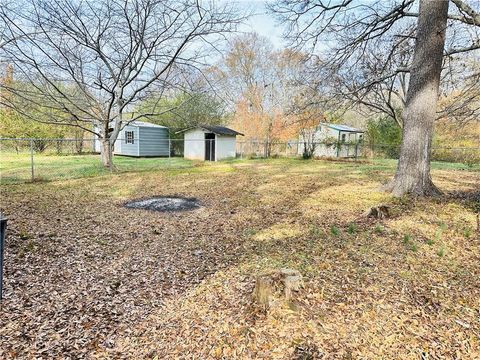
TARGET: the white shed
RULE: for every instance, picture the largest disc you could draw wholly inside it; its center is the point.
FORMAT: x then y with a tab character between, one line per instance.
209	142
331	140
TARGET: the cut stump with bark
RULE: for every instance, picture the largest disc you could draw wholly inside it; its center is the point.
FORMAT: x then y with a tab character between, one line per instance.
277	288
378	212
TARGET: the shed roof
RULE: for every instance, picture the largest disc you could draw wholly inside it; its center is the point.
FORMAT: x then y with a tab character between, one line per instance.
341	127
145	124
219	130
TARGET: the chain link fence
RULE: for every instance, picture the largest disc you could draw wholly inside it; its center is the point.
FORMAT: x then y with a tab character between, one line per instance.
27	160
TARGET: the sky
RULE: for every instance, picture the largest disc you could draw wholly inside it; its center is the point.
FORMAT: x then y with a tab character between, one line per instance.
261	22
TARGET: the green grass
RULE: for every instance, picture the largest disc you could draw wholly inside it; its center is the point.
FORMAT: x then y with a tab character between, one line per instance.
379	229
352	228
441	251
407	238
436	165
335	230
409	243
16	168
467	232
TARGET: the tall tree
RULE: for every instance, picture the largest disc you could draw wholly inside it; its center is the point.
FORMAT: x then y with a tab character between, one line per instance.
109	54
356	30
187	110
263	86
413	171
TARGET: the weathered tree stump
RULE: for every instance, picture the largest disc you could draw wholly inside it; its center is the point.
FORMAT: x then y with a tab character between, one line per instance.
277	287
378	212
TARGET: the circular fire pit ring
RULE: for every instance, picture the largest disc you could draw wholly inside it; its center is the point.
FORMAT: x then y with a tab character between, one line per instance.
164	203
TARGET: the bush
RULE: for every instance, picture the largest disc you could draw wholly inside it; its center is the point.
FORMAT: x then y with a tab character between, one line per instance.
384	137
39	145
469	157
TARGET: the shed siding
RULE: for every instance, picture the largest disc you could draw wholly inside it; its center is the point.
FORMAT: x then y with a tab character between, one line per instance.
148	141
194	144
122	148
96	144
225	147
327	133
153	141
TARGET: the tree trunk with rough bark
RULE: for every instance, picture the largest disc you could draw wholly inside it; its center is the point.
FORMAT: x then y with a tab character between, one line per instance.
106	152
413	171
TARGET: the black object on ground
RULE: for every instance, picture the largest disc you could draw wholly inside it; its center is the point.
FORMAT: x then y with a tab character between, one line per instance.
164	203
3	230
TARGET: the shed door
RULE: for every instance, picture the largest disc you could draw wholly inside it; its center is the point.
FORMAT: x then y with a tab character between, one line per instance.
209	146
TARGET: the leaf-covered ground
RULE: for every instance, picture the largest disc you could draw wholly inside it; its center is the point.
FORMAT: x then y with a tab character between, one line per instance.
87	278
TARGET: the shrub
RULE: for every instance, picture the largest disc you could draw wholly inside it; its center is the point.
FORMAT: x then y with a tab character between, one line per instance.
39	145
384	137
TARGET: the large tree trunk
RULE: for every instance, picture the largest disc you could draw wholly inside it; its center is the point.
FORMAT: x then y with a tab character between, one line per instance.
106	153
413	171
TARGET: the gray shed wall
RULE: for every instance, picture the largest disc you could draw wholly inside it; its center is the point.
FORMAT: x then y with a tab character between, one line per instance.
128	149
153	141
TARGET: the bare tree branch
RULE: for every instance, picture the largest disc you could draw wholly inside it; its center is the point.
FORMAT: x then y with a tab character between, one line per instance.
90	62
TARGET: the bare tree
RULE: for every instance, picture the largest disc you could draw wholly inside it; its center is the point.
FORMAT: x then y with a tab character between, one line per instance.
87	63
263	85
352	31
413	171
459	86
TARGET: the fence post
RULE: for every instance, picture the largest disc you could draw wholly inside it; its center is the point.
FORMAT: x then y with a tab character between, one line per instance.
31	160
111	154
169	148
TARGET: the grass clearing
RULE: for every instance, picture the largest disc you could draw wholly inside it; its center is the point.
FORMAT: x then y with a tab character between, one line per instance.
16	168
86	277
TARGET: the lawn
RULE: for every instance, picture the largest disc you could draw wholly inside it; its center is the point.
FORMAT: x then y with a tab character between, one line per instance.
86	277
16	168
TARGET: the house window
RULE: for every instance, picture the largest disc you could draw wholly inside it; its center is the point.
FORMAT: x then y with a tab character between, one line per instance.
344	137
129	138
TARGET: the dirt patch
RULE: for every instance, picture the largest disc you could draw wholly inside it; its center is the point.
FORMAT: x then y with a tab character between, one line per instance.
164	204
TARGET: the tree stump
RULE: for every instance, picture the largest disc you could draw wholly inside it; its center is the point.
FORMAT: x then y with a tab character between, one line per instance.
378	212
277	287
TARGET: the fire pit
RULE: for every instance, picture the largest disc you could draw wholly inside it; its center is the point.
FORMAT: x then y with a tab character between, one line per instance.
164	203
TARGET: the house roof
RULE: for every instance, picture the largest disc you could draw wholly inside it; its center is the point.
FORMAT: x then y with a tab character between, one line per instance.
341	127
219	130
146	124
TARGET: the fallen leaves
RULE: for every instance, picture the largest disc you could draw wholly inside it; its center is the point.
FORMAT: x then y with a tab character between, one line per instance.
88	278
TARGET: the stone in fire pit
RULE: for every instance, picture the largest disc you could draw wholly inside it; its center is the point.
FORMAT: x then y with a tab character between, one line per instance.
164	203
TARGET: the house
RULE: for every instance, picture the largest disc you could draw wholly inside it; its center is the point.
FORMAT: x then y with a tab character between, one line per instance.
331	140
139	139
208	142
